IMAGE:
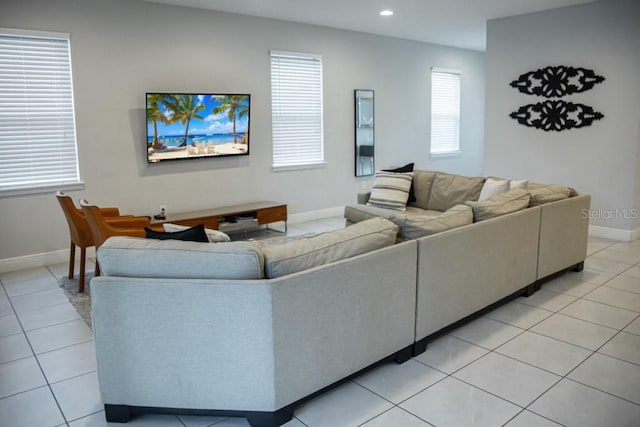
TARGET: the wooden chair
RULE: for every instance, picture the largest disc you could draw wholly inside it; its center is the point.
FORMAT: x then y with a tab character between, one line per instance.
80	232
102	229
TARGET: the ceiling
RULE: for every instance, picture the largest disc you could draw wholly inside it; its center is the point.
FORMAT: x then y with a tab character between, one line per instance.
459	23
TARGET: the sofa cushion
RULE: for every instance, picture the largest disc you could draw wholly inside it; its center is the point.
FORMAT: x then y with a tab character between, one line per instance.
449	190
391	190
499	204
357	213
193	234
493	186
545	193
431	222
135	257
422	183
406	168
299	255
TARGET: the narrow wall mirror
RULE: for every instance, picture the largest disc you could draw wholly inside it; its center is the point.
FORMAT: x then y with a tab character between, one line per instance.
364	132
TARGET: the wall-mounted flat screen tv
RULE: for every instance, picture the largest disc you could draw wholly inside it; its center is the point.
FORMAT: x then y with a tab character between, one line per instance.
196	125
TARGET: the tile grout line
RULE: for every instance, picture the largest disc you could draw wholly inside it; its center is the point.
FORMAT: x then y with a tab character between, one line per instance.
48	385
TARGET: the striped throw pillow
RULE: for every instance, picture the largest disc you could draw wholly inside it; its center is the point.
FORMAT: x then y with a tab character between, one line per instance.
391	190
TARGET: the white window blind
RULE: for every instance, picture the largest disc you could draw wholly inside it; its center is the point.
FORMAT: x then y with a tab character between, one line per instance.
296	109
37	124
445	111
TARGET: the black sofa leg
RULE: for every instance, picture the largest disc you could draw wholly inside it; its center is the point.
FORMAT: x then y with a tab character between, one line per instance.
270	419
117	413
579	267
404	354
531	289
419	347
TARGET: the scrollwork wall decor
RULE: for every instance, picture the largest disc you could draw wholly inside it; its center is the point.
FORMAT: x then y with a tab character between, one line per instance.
557	81
556	115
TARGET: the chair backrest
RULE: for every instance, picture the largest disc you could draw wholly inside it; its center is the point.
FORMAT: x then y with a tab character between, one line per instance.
96	223
79	229
101	230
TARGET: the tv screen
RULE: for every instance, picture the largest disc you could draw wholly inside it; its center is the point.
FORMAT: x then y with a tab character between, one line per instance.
196	125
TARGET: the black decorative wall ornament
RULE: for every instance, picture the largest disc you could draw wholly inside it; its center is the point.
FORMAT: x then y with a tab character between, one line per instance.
556	81
556	115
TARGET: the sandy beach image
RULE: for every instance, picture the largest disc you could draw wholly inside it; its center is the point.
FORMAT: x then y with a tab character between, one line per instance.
200	150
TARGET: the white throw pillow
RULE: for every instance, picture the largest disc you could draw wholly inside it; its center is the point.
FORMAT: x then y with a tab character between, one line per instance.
493	187
519	184
214	236
391	190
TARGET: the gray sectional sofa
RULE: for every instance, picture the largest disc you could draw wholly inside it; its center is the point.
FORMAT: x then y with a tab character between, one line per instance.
232	329
501	249
240	329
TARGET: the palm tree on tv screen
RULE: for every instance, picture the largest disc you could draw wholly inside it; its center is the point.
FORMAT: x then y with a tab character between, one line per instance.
155	115
235	109
185	108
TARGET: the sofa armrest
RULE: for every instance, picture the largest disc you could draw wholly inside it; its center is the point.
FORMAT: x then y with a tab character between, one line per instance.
332	321
564	231
363	198
464	270
184	343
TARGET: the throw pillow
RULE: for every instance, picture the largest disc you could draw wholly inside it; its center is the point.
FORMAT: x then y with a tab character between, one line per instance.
214	236
449	190
406	168
500	204
391	190
492	187
193	234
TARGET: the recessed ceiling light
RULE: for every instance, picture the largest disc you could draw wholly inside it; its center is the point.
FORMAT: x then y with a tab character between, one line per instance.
386	12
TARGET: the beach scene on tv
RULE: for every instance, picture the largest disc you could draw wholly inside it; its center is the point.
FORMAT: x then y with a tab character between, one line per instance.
196	125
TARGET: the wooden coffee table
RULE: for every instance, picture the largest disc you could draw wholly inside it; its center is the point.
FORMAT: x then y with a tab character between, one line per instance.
264	212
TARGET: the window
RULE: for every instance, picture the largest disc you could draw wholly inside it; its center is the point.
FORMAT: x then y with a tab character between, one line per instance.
296	110
37	135
445	111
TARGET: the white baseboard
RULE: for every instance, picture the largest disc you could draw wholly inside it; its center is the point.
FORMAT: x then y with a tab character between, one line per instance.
41	260
614	233
56	257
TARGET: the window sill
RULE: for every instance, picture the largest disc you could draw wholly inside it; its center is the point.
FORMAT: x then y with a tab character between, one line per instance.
298	167
446	154
42	190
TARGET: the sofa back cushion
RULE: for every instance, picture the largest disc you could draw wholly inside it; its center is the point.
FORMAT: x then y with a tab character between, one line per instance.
500	204
134	257
422	183
449	190
299	255
545	193
432	222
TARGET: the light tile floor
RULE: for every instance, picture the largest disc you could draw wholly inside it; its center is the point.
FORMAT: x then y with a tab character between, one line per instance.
568	355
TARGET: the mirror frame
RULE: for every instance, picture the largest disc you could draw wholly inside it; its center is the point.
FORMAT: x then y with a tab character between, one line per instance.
364	132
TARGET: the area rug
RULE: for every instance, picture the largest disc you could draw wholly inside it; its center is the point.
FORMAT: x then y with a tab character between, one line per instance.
80	301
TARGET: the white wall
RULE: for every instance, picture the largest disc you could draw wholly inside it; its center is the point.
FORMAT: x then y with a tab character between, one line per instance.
601	159
122	49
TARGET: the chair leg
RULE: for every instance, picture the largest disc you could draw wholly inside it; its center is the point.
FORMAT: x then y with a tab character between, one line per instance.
72	260
83	260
